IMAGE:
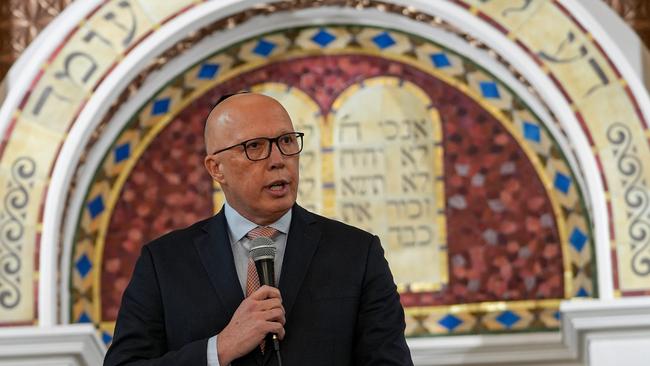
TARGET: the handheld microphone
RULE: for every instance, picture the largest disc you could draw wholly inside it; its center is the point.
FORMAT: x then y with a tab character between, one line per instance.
263	254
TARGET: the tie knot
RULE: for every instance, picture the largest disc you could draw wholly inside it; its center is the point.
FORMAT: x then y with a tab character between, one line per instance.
262	231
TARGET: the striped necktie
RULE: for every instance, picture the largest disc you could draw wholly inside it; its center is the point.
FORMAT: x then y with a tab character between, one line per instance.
252	280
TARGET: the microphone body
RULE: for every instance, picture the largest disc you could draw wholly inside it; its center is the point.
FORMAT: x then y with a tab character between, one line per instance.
263	254
265	271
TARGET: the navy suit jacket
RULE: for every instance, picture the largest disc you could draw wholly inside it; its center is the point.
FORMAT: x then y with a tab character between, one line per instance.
342	306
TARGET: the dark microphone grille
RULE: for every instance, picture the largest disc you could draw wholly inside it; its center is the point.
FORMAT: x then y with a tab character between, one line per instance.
262	248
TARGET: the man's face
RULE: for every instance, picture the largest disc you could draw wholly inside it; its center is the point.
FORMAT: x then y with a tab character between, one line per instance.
262	191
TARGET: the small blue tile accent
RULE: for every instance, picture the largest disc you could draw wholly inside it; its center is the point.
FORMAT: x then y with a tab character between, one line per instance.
122	152
508	318
582	292
106	338
383	40
557	315
83	265
84	318
323	38
578	239
489	89
160	106
450	322
264	48
440	60
532	132
208	71
562	182
95	206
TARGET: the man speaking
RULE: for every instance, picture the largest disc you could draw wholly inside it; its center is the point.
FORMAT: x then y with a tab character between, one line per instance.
195	296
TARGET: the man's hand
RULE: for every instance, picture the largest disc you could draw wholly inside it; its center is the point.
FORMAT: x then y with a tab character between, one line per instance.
260	313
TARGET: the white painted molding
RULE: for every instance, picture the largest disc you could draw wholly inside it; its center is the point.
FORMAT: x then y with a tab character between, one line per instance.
615	27
589	322
593	333
70	345
591	329
530	349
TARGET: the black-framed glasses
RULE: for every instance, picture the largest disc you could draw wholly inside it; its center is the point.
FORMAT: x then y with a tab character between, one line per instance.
260	148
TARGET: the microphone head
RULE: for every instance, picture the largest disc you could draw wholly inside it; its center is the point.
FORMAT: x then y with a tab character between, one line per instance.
262	248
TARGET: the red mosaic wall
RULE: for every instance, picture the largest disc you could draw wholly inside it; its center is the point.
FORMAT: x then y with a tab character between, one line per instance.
503	242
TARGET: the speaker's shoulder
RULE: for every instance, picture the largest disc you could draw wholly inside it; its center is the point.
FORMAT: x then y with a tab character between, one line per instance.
179	239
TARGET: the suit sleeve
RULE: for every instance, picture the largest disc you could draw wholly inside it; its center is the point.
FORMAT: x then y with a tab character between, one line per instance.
380	324
140	328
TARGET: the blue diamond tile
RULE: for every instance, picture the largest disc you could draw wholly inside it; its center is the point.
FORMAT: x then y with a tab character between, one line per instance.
95	206
582	292
208	71
578	239
556	315
562	182
106	338
383	40
532	132
440	60
264	48
122	152
450	322
84	318
160	106
508	318
323	38
489	89
83	265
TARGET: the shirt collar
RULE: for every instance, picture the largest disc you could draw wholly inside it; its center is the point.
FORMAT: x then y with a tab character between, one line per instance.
239	226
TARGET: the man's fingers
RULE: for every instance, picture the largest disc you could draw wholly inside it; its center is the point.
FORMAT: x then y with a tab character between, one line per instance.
276	328
275	315
269	304
266	292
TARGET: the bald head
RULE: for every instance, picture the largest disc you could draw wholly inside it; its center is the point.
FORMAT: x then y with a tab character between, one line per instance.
260	190
227	117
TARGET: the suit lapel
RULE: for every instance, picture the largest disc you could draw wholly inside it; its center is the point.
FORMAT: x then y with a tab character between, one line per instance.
302	243
217	259
216	256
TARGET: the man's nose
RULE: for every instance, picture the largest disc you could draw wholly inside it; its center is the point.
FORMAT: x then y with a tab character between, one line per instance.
276	157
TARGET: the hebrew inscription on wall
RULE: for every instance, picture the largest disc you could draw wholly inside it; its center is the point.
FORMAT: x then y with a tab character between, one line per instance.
388	163
378	168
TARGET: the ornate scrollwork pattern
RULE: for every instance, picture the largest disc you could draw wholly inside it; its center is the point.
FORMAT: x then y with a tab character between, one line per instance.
12	230
636	196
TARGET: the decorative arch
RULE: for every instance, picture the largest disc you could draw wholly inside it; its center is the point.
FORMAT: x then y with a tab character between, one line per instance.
104	69
452	98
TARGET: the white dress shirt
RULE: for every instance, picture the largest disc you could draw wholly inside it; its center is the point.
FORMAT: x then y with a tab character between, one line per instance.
238	227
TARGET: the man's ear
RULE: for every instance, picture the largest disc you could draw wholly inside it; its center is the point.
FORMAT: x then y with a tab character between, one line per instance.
214	168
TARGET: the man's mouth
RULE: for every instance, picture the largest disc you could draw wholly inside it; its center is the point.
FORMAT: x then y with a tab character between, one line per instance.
278	185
